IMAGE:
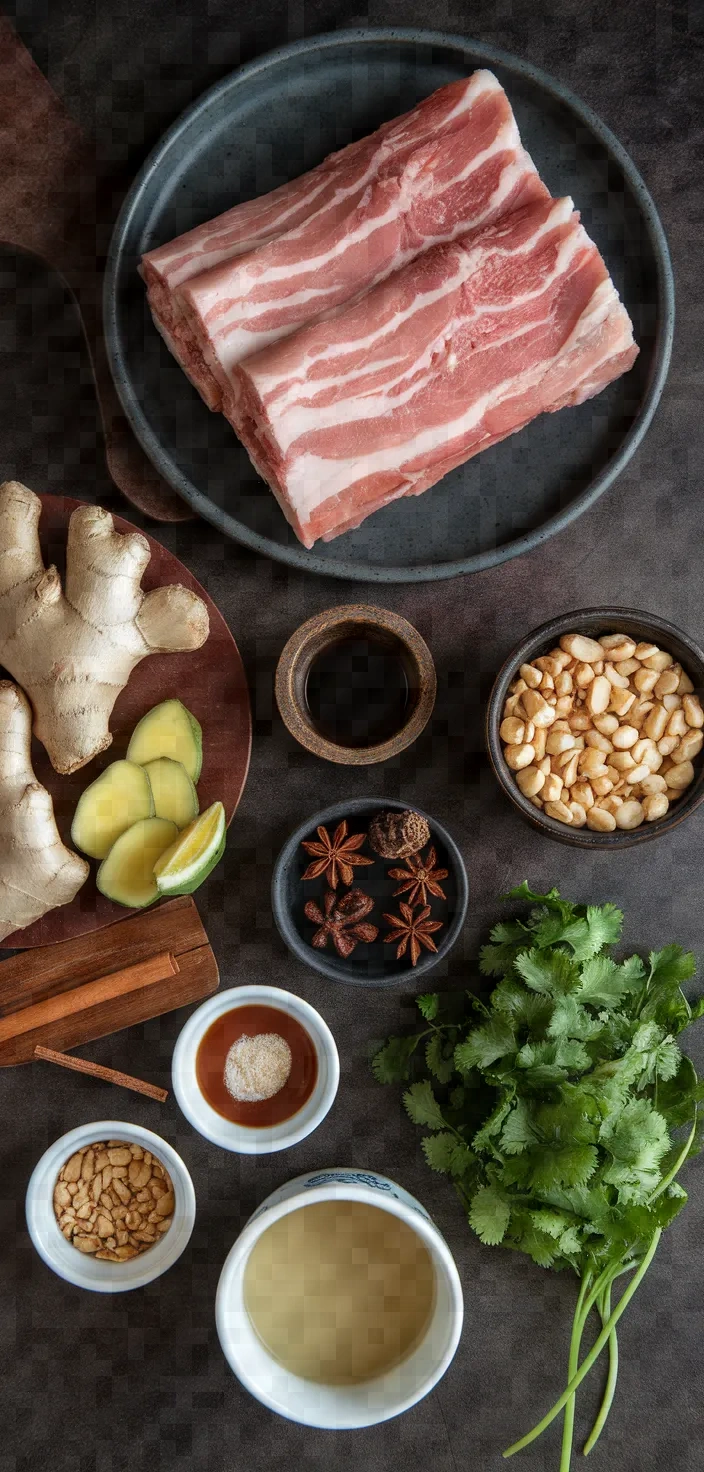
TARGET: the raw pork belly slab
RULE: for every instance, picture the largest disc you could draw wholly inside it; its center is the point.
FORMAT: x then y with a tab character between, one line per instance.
454	352
264	268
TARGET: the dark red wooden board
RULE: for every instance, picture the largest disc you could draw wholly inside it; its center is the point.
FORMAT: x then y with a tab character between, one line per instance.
211	682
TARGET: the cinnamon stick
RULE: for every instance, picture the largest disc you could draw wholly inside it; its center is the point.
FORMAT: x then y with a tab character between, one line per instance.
105	989
96	1070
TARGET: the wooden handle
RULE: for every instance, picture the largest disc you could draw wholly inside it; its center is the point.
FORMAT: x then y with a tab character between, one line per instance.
132	978
97	1070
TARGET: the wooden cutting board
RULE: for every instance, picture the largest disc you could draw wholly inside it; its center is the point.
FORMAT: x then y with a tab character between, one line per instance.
212	683
172	932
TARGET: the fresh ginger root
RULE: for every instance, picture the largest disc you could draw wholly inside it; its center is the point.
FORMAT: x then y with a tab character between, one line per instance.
37	872
73	651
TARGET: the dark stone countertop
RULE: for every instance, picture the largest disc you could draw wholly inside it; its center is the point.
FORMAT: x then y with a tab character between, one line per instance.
138	1382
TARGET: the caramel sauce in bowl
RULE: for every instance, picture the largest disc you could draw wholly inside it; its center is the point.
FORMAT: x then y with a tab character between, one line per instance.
264	1125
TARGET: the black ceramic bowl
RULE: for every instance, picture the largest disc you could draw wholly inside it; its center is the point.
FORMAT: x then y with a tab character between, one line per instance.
375	964
594	622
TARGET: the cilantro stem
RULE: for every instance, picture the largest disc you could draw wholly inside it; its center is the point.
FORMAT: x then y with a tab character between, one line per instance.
594	1352
572	1366
684	1152
597	1428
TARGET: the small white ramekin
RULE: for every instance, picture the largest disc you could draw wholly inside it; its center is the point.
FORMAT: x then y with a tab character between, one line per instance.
243	1139
339	1407
90	1272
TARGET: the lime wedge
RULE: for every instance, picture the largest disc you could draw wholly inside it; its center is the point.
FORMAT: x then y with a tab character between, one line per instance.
184	866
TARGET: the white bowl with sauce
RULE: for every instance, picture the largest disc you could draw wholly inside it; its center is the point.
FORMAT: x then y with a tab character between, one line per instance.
255	1138
368	1401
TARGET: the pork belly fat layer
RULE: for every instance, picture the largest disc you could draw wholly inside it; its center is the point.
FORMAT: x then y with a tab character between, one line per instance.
457	350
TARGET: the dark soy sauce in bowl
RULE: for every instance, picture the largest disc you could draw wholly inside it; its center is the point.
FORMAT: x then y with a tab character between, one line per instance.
358	690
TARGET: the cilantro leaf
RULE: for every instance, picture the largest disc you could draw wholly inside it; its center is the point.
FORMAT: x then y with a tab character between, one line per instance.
671	966
566	1165
519	1132
604	923
548	1063
390	1064
439	1150
550	973
552	1222
429	1005
636	1140
678	1096
570	1020
484	1045
492	1125
604	984
489	1215
437	1060
422	1106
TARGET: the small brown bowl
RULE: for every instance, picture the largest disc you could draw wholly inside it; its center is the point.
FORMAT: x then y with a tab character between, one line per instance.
594	622
328	628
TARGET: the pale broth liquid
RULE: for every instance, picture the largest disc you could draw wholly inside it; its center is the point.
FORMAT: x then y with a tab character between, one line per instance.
339	1292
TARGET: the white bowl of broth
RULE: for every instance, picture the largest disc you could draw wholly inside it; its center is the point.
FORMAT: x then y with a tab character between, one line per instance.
199	1069
340	1304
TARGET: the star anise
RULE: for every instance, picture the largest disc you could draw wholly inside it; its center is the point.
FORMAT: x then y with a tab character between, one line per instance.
342	921
335	857
420	878
413	928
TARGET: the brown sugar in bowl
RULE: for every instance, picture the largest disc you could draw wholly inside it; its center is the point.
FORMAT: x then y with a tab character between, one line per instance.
325	630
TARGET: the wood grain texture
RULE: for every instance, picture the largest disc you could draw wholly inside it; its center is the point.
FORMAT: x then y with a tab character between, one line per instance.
49	977
307	642
211	681
81	998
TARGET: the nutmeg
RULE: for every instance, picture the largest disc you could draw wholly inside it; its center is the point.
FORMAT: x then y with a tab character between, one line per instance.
395	835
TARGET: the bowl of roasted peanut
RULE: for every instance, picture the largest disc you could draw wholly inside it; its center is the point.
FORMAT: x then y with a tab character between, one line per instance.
595	727
110	1206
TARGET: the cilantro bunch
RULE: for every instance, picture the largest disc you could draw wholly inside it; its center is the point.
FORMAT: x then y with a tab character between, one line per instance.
554	1107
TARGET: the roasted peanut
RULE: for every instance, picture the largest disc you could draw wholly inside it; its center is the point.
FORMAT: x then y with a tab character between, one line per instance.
95	1198
621	701
597	740
519	756
614	678
559	810
598	695
680	775
583	675
582	648
658	661
617	646
531	676
689	747
600	821
530	780
656	722
693	713
512	731
625	737
655	805
667	684
653	784
629	815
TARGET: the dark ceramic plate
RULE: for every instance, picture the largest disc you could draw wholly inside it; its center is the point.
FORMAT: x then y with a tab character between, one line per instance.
375	964
269	122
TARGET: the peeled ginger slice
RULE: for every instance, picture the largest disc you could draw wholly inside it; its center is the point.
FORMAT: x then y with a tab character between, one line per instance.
127	874
119	797
168	730
174	795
